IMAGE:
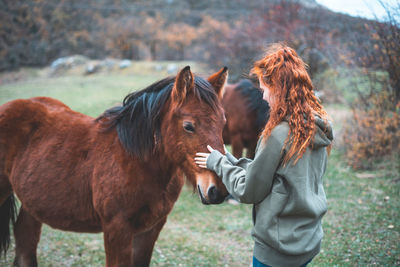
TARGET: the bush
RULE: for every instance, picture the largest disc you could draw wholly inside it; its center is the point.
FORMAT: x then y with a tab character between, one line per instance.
372	134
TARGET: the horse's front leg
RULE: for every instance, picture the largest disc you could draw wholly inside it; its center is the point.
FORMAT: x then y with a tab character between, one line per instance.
143	244
118	238
27	234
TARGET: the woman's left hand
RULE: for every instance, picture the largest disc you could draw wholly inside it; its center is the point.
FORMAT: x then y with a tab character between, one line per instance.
201	158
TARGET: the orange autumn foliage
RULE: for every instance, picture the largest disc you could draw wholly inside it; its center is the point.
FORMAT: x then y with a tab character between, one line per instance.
372	133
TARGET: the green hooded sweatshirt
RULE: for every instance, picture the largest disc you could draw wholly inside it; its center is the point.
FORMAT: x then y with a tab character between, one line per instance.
289	200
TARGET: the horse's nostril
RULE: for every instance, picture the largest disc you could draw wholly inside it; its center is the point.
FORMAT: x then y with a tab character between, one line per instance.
213	194
203	200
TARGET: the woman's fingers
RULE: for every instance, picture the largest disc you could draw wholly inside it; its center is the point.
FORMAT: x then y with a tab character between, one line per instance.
201	158
201	154
201	163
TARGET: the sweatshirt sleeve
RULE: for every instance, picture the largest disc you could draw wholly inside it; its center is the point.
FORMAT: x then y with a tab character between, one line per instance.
251	181
242	162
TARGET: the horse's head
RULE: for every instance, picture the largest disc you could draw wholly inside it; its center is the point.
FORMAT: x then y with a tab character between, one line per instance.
170	121
193	120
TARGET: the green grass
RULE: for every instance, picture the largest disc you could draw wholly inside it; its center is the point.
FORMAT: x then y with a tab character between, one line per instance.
361	226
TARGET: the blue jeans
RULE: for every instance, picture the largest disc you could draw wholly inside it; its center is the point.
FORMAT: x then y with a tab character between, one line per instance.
257	263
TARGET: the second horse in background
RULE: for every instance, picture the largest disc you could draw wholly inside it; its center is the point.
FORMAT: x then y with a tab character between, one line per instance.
246	113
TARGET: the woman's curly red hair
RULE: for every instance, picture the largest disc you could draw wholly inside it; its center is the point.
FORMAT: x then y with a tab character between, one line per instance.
285	74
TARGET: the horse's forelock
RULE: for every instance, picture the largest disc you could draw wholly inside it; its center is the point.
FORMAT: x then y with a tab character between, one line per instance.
205	92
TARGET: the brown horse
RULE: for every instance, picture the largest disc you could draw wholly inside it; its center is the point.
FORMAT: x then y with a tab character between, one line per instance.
246	114
119	174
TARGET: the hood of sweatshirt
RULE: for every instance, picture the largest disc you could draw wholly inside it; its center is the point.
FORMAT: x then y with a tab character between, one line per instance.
323	133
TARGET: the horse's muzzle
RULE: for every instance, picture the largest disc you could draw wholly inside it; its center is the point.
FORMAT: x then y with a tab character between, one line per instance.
214	196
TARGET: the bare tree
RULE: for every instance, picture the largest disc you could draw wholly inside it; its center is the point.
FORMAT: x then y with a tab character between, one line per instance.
388	36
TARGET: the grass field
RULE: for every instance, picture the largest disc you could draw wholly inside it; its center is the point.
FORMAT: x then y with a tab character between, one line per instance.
361	227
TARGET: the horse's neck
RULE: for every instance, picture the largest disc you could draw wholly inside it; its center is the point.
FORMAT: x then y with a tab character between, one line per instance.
157	167
167	175
172	175
162	164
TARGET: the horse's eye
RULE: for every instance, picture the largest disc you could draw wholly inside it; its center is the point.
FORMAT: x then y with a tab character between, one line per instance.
188	126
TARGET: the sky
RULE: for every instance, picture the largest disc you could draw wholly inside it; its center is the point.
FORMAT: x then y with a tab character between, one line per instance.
359	8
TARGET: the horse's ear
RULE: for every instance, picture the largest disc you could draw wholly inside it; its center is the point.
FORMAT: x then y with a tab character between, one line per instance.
218	81
184	82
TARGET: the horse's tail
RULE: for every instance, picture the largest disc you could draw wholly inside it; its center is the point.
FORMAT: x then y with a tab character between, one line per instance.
8	213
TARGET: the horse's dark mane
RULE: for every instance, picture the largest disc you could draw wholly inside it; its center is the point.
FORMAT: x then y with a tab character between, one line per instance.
255	101
138	119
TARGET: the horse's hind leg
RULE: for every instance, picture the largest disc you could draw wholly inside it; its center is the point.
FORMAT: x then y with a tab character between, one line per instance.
27	234
143	244
7	213
237	145
251	150
5	188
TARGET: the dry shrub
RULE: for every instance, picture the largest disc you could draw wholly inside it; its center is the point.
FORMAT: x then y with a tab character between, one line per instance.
372	134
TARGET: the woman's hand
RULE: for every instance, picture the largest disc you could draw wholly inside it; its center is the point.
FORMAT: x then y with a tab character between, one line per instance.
201	158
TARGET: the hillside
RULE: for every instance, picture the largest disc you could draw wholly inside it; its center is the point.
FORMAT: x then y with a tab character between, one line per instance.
216	32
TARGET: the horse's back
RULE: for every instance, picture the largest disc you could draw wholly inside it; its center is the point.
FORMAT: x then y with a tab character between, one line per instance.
36	111
50	103
46	101
20	111
21	118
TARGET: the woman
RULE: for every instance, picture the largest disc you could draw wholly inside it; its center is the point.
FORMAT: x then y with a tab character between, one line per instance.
284	181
